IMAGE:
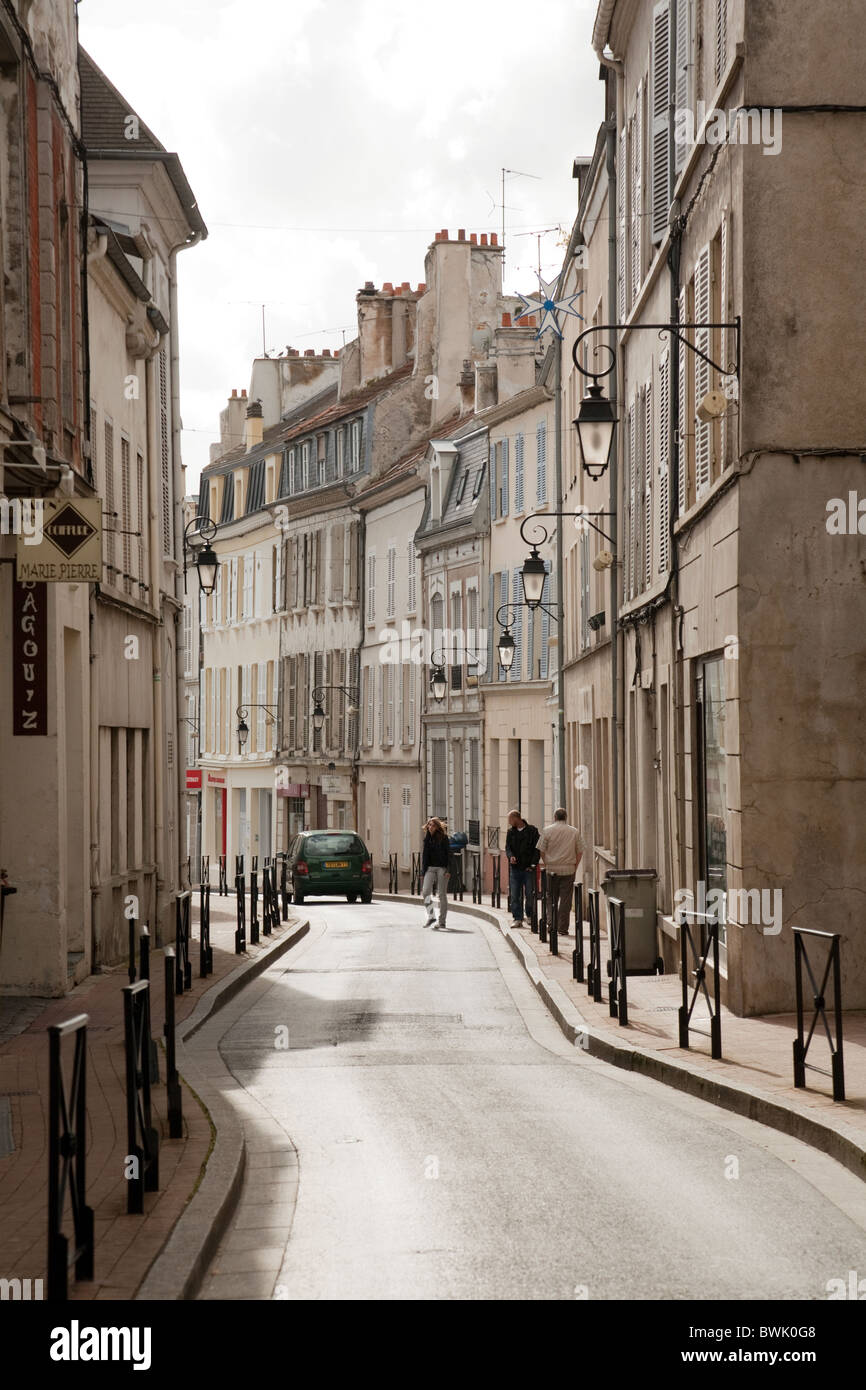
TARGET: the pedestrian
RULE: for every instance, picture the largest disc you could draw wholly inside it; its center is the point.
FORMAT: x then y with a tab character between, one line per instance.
434	870
521	848
562	849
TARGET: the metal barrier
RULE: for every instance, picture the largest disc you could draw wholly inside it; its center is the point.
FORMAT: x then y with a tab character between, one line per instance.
189	871
617	990
67	1157
223	888
144	973
552	908
268	878
132	949
254	901
205	950
476	876
241	930
142	1140
540	895
801	1048
496	883
183	965
415	882
393	880
284	884
593	969
688	943
456	885
239	864
534	923
204	869
172	1080
577	953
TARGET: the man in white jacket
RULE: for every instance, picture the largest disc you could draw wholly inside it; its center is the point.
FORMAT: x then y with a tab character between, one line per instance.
562	850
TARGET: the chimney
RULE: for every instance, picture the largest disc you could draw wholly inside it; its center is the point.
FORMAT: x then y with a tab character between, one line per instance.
254	425
466	382
485	385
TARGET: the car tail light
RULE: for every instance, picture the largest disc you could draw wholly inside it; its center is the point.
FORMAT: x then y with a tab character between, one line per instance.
301	868
367	866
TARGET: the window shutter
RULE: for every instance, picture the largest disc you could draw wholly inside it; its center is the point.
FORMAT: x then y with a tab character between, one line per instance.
411	590
724	316
541	446
621	193
663	490
491	624
632	469
493	497
584	592
164	454
261	699
503	600
660	84
648	474
703	432
684	100
517	666
721	38
545	624
292	701
682	423
518	473
637	196
233	615
336	572
503	468
392	581
406	810
410	719
371	588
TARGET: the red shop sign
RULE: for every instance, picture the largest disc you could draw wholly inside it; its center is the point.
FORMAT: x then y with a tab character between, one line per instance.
193	779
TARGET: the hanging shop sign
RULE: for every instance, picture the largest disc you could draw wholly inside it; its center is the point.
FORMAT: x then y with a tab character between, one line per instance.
193	779
69	549
29	659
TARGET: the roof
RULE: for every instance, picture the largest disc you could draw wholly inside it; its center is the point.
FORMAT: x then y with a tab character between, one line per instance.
295	428
118	258
105	123
466	491
405	466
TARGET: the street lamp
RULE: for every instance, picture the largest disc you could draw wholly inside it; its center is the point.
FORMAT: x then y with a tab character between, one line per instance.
534	575
243	730
438	679
595	422
206	559
505	649
318	694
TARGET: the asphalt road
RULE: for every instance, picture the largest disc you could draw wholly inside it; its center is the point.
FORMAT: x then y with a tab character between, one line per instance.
418	1128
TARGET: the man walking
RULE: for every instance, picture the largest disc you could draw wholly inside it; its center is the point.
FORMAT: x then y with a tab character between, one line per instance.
562	850
521	848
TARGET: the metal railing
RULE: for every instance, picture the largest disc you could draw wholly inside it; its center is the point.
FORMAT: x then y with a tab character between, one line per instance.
593	969
393	880
687	943
284	885
67	1160
223	887
577	953
205	950
133	947
456	885
144	974
241	929
415	881
819	1002
617	989
475	858
534	923
183	966
552	911
539	896
142	1140
496	881
270	910
172	1080
254	901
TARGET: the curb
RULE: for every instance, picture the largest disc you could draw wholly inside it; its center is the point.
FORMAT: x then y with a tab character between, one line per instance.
845	1148
179	1268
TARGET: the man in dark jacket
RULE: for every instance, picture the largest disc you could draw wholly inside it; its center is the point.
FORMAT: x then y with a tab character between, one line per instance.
520	847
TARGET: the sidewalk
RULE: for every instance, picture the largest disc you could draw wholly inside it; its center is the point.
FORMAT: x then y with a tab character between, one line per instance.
755	1075
125	1246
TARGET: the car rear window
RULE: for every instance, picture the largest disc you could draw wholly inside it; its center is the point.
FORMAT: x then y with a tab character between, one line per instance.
331	845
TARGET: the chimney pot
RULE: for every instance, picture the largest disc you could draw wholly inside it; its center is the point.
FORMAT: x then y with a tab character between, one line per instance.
405	286
422	288
309	352
387	288
506	320
494	240
254	410
326	352
473	237
234	392
461	235
483	238
243	393
444	233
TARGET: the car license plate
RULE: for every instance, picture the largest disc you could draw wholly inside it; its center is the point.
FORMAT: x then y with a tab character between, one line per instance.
336	863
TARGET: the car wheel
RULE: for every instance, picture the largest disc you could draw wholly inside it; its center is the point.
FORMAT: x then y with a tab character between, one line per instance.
351	897
298	896
366	897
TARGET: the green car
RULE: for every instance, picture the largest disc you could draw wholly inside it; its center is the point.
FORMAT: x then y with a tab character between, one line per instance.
332	862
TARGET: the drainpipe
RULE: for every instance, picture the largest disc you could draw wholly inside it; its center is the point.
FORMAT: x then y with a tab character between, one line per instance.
154	567
560	586
616	657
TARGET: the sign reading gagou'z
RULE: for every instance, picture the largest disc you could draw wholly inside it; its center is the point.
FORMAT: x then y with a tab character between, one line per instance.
70	549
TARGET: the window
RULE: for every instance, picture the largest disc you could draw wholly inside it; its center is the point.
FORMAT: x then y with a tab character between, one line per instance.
164	452
504	499
518	473
341	452
255	487
386	821
439	780
277	601
371	588
126	515
336	567
479	479
659	87
461	487
294	473
411	588
437	620
356	445
305	464
285	484
541	453
406	827
321	458
109	498
391	589
471	633
227	512
456	640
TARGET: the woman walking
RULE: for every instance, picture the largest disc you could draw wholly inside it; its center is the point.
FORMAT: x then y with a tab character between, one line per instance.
434	868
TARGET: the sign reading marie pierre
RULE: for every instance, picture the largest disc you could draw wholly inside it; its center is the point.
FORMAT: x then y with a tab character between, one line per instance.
70	551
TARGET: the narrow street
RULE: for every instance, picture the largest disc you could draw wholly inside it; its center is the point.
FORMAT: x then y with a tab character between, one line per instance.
429	1133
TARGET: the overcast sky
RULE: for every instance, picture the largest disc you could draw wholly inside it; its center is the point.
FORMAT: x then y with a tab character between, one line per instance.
328	140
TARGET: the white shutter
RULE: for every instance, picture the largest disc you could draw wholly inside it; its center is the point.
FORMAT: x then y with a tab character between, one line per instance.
632	470
503	468
703	432
585	614
518	473
545	623
412	572
493	496
721	37
233	592
724	317
683	421
648	488
637	196
685	86
410	721
392	581
503	600
261	698
386	821
663	489
491	624
517	665
371	588
406	810
621	191
541	447
660	83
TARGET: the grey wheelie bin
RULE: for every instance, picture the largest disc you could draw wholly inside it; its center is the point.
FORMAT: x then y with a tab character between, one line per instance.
637	889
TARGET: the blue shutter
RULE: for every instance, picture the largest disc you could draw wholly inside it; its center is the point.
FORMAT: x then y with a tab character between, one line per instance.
503	600
491	624
504	472
545	623
492	482
518	473
517	667
541	446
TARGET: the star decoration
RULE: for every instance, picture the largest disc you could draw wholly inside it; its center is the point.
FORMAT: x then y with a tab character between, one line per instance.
548	307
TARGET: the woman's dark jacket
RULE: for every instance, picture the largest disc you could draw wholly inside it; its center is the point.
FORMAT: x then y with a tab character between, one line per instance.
435	853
